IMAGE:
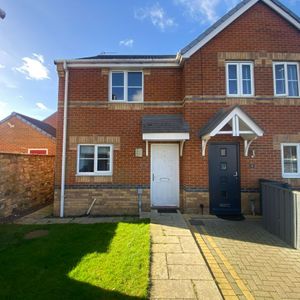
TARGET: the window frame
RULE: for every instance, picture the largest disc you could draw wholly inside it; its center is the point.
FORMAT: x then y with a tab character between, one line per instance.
125	72
239	65
290	175
285	63
96	173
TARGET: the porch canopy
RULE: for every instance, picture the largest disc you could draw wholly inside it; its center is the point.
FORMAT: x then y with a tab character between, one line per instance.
232	121
165	128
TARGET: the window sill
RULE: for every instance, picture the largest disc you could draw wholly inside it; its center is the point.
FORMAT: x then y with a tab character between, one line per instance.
93	174
123	101
291	176
240	96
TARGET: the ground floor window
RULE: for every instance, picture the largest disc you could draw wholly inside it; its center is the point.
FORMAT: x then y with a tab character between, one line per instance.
94	159
290	153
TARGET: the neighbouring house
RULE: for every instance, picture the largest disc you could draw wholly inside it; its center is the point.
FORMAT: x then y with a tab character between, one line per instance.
195	130
51	120
22	134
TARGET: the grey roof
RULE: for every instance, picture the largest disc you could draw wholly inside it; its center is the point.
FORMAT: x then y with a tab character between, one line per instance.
227	16
219	117
216	120
41	126
104	56
287	10
164	124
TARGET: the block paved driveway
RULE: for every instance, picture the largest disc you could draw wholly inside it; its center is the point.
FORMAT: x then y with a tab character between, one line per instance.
247	261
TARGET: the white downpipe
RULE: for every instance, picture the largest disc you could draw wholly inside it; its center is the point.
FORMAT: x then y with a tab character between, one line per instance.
64	142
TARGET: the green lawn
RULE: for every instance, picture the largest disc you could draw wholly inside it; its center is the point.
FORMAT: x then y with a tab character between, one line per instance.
74	261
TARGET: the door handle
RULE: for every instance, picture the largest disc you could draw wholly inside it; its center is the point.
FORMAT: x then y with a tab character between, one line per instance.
152	176
235	174
164	179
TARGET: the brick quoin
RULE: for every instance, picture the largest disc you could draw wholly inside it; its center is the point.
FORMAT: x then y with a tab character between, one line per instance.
196	90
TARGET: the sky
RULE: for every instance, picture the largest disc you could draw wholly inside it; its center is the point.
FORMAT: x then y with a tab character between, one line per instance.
36	32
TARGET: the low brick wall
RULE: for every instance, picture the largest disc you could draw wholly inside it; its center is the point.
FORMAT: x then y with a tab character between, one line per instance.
124	201
26	181
109	201
193	199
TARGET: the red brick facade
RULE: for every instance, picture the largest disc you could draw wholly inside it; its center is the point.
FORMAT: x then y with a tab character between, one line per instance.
197	90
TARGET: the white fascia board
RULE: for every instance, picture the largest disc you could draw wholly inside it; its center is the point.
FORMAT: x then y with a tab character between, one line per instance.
122	61
282	13
123	65
238	13
219	29
245	118
166	136
222	124
95	60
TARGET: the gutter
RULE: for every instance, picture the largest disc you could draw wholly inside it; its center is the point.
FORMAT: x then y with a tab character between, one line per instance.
123	65
117	60
64	142
122	62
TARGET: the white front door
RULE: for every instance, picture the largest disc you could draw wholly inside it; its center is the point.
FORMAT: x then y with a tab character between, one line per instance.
165	175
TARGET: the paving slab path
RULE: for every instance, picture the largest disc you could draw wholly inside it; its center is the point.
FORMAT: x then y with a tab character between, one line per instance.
247	261
178	269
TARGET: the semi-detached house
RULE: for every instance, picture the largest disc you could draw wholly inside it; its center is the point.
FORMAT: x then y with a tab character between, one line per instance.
195	130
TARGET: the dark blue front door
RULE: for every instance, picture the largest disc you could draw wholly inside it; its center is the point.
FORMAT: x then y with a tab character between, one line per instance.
224	179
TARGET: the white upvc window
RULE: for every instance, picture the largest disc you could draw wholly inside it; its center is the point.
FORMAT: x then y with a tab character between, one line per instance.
126	86
94	159
290	163
239	79
286	79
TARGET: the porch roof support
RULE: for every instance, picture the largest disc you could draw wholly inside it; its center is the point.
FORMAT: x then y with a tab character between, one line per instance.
166	137
238	124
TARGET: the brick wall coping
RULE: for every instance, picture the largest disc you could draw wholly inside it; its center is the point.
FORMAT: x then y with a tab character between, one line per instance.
25	154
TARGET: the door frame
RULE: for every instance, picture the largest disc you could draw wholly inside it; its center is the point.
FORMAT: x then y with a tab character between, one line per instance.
151	166
237	144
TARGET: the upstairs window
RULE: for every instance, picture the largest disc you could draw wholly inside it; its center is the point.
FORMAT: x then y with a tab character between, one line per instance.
286	79
239	79
126	86
290	160
94	160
